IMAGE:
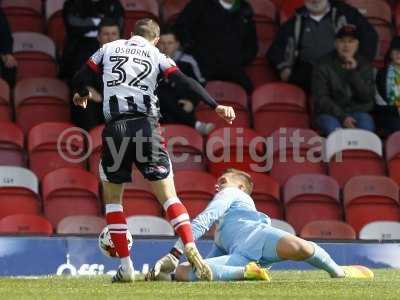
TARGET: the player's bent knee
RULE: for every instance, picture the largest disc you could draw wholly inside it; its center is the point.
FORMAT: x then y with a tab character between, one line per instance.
294	248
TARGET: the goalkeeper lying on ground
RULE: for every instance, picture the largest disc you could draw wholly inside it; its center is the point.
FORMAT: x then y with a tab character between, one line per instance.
245	240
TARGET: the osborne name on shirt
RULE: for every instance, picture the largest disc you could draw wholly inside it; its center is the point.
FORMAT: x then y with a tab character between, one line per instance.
133	51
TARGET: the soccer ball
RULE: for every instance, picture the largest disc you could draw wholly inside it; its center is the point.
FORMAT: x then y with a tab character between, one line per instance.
106	245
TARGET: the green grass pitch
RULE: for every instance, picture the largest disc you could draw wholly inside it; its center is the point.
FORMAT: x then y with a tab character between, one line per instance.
284	285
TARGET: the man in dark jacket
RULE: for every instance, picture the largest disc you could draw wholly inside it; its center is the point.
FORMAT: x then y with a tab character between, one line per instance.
310	35
8	63
81	19
222	37
343	86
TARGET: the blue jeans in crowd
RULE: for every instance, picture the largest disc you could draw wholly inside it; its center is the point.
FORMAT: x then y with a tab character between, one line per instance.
328	123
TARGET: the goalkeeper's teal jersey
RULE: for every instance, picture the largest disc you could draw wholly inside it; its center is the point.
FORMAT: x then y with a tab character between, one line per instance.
237	219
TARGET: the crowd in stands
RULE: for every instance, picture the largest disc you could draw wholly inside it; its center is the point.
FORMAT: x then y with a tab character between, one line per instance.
333	64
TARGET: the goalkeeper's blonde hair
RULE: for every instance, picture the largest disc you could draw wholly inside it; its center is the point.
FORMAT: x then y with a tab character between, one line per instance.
244	177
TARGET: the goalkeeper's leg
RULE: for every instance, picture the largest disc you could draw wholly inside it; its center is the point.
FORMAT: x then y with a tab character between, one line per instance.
280	246
226	268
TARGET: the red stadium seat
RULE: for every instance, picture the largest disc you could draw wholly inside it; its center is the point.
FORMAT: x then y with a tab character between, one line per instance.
39	100
370	198
265	18
277	105
184	141
282	225
385	36
195	189
55	145
226	93
311	197
25	224
376	11
95	151
138	199
35	54
138	9
393	156
149	225
11	145
68	192
81	225
18	191
328	230
295	151
5	107
23	15
55	22
260	72
172	8
266	195
353	152
234	148
397	18
288	9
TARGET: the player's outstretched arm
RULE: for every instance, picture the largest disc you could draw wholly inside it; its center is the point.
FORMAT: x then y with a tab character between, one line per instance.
225	112
80	83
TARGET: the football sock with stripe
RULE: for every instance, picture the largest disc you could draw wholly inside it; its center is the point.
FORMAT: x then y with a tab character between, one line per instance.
178	216
117	227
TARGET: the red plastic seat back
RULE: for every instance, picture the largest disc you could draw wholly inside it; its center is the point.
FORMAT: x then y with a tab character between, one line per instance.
266	195
138	9
196	189
18	191
5	108
138	198
23	15
328	230
55	22
25	224
311	197
172	8
371	198
393	156
35	54
185	146
81	225
94	148
294	151
38	100
278	97
228	93
288	9
70	191
55	145
376	11
11	145
230	148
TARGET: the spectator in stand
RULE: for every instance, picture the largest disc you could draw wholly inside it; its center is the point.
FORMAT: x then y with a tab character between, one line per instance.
81	19
176	103
343	88
387	109
221	35
310	35
92	116
8	63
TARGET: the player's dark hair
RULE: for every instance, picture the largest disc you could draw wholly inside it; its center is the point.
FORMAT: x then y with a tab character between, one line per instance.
244	177
108	22
147	28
